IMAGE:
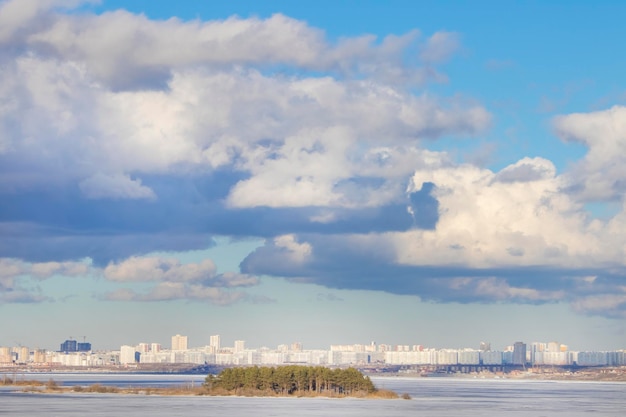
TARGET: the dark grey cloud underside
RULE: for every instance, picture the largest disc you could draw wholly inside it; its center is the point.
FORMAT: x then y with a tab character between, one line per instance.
337	265
61	224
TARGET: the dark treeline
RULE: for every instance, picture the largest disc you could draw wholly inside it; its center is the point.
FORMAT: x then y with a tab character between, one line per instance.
292	379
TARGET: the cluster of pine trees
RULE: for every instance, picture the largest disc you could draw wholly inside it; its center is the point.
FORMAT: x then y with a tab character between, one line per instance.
292	379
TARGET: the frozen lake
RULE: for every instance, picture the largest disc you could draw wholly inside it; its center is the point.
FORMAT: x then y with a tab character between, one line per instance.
431	397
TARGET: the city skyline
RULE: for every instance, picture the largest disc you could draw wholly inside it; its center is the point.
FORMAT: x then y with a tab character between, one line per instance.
518	354
444	172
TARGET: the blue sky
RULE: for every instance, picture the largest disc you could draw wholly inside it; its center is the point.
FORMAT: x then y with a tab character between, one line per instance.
438	173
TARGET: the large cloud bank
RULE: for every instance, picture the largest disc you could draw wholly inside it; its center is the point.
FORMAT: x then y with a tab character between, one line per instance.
122	136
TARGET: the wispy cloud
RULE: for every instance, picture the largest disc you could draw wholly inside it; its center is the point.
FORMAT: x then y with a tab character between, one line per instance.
174	280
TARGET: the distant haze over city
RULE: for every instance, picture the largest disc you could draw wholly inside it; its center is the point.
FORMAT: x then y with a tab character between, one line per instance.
180	352
206	340
334	172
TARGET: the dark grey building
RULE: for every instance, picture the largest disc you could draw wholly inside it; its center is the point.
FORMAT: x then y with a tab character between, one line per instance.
74	346
519	353
69	346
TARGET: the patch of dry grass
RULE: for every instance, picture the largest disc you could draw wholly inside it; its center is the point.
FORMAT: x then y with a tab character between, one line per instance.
23	382
383	394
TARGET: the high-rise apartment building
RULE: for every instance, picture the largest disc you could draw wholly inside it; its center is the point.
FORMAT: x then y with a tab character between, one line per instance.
83	347
179	342
127	354
215	342
5	355
519	353
538	347
23	354
39	355
240	346
143	348
74	346
554	347
69	346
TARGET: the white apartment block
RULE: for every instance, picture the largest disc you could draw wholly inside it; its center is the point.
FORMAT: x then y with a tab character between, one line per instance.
592	359
179	342
240	346
215	342
155	357
491	357
447	357
143	348
469	357
425	357
5	355
550	357
127	354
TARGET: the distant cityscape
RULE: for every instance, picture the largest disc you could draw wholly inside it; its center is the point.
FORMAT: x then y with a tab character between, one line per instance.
72	353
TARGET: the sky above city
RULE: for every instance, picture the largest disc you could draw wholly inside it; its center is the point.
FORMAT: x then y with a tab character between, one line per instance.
329	172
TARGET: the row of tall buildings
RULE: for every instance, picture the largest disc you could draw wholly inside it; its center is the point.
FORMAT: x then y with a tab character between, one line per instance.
520	354
517	354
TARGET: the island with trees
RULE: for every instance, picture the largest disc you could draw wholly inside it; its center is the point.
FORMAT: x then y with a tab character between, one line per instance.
293	380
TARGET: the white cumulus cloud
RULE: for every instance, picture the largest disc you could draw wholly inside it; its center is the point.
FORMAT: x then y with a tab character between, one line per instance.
601	174
106	101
